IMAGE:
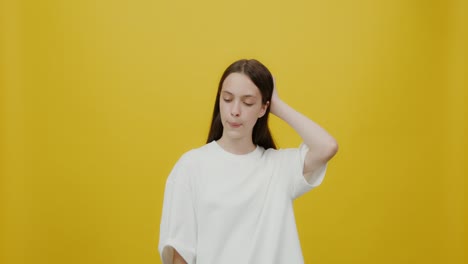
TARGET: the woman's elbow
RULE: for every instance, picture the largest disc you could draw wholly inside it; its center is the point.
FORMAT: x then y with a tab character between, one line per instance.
330	149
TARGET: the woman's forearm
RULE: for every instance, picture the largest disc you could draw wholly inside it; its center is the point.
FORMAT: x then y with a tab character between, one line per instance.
178	259
315	137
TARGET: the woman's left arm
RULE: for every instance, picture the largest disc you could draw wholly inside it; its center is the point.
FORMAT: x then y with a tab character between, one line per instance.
322	146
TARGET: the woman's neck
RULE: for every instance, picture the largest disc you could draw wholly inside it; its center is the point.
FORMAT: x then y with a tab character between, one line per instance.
236	146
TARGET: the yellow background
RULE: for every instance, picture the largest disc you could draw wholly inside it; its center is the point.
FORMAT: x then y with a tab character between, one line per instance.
100	98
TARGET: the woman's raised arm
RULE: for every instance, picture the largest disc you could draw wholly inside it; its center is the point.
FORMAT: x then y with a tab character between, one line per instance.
322	146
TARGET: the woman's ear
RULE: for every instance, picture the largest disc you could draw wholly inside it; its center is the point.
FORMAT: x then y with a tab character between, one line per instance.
264	109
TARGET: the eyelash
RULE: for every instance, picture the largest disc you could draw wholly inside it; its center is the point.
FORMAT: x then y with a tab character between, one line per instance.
229	100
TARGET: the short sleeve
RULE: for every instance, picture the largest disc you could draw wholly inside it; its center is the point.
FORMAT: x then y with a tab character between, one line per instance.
291	168
178	229
301	185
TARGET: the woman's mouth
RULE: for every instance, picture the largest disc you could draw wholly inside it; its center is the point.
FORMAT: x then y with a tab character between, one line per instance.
234	124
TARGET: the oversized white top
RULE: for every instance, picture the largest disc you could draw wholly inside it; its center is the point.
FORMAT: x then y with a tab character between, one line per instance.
225	208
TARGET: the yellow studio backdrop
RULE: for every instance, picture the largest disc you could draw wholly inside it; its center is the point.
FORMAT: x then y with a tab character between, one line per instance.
100	98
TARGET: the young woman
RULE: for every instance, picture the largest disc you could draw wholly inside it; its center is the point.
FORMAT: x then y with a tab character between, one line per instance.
231	200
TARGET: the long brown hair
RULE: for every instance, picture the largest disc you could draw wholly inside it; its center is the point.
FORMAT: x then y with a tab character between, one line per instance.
262	78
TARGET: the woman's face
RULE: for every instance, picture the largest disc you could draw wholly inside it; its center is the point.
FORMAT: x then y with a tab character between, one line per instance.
240	106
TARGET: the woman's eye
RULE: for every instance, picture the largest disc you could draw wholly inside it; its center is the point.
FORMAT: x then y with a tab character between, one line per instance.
227	100
248	104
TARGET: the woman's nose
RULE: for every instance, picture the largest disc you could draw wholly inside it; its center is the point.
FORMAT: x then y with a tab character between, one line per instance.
235	110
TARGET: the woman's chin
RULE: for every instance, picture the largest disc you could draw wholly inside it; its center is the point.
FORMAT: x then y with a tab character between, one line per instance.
233	135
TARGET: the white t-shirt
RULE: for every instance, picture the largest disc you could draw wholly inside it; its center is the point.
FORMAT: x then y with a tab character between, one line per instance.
225	208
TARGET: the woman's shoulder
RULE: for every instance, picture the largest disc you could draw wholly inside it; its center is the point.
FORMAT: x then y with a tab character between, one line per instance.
284	152
196	154
188	164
